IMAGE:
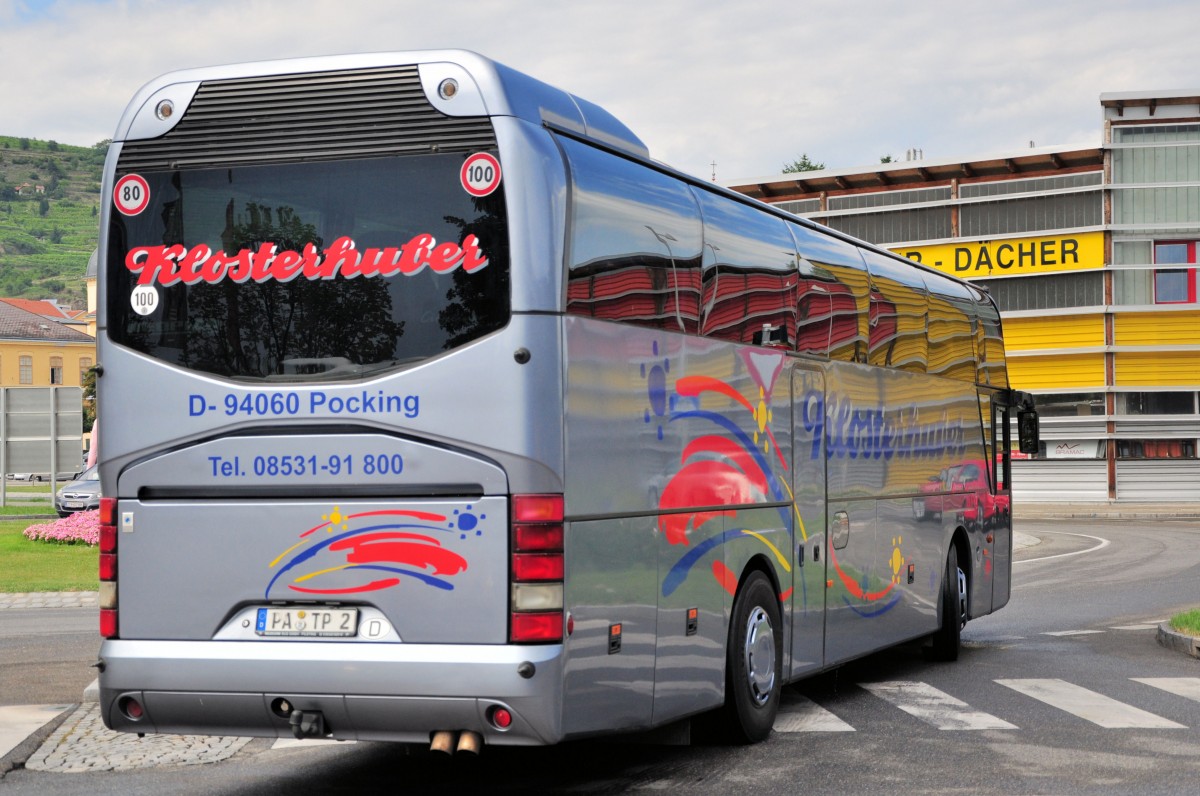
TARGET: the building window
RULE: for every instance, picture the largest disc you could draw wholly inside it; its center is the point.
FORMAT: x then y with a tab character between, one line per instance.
56	370
1031	214
85	364
1156	449
1175	285
1047	292
27	370
1155	403
1082	404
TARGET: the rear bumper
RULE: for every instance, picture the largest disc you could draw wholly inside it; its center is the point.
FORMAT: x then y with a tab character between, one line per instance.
386	692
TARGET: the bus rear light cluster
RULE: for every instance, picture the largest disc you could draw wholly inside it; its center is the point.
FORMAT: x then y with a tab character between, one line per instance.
108	567
536	572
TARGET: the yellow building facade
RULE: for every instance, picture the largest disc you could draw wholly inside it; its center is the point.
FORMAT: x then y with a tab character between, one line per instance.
37	352
1091	255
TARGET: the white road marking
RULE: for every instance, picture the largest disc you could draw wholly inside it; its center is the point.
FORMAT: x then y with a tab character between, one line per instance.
1072	632
17	722
935	707
1089	705
1188	687
1103	544
801	714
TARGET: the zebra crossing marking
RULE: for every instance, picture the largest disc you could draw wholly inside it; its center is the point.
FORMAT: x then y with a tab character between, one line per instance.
935	707
1089	705
801	714
1188	687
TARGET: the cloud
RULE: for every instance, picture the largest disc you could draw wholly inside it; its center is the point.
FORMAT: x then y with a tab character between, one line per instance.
750	84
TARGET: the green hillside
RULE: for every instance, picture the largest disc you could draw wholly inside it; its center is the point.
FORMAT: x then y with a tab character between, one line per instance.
47	237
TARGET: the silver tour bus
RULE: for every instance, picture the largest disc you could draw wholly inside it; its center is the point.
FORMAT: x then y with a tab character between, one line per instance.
435	411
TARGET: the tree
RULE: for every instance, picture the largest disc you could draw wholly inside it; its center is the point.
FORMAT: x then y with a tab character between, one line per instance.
803	164
44	208
887	159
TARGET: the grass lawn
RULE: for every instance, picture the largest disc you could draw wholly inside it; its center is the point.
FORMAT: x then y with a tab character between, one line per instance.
1187	622
38	507
43	566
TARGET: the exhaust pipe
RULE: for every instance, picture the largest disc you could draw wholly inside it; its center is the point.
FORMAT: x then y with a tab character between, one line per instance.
443	741
470	742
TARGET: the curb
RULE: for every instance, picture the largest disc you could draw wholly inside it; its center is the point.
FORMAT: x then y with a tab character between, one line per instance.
1094	514
1180	642
17	757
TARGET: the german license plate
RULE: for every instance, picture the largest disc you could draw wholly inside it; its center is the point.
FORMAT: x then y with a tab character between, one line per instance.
306	621
72	504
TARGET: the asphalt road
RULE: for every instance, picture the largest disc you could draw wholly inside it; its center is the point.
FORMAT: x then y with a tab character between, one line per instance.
1022	711
46	654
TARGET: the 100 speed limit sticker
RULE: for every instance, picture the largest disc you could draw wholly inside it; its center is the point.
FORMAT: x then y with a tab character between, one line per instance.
480	174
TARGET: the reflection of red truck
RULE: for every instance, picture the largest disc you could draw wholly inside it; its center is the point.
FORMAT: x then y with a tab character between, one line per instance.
963	489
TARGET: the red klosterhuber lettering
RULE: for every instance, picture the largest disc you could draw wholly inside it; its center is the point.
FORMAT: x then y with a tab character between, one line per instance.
167	265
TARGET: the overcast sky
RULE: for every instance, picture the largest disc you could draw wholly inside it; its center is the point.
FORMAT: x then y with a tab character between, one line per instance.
750	84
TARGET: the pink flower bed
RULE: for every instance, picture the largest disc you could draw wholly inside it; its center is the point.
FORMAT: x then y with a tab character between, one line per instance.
82	526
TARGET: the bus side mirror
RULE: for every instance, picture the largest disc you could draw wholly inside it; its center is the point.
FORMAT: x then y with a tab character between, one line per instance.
1028	440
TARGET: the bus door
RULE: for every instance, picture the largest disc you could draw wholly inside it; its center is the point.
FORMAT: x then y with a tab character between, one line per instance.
997	419
808	489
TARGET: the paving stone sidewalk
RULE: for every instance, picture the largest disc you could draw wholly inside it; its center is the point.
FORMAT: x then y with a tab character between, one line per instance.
82	743
48	599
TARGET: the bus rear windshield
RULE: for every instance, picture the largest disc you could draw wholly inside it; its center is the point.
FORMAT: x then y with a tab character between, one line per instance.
305	271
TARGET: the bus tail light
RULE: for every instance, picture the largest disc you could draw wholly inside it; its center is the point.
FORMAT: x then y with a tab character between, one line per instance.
108	567
537	570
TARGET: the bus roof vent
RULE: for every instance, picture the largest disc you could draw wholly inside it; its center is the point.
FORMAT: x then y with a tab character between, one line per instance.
309	116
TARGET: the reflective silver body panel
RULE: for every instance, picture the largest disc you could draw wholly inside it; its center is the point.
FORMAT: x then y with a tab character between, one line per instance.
685	462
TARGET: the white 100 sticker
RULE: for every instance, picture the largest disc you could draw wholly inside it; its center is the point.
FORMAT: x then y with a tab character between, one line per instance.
144	299
480	174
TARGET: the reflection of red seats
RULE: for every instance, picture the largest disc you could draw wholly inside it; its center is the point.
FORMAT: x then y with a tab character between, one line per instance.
652	296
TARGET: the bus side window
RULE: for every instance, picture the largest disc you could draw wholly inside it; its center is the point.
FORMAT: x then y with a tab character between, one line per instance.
898	315
990	343
634	243
749	274
842	275
951	329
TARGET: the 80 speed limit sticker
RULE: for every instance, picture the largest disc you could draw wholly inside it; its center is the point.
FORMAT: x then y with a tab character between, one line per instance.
480	174
132	194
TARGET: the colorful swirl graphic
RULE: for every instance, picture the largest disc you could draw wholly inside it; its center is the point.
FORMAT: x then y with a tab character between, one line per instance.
356	549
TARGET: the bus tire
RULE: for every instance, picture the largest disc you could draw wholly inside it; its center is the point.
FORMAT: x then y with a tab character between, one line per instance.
947	639
754	662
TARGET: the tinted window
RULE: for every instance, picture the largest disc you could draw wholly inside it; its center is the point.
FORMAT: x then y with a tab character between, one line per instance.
749	274
951	331
635	243
308	270
832	295
989	342
898	314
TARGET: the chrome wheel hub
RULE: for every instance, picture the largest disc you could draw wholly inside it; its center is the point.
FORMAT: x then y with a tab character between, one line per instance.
759	652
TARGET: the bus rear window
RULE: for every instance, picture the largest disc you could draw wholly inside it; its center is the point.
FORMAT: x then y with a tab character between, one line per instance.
305	271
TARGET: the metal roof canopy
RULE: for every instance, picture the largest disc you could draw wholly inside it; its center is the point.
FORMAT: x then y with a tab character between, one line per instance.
1035	162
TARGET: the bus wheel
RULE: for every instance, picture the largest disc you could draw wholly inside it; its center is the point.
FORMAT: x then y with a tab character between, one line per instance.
954	612
754	658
